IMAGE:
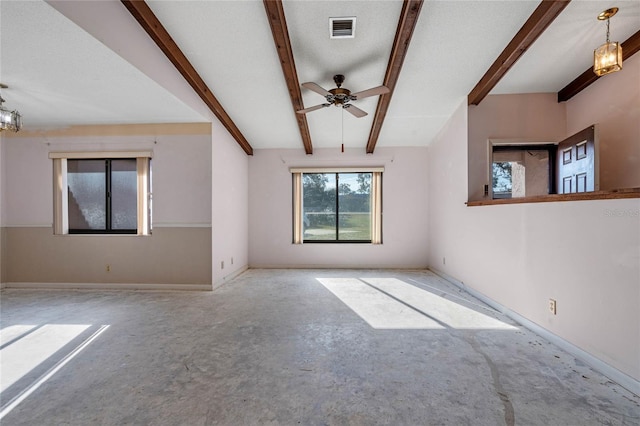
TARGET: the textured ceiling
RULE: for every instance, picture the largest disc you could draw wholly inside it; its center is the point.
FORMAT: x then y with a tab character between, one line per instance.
569	43
59	75
74	63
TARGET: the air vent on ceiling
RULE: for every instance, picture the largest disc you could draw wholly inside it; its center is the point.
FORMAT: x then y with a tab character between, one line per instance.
342	27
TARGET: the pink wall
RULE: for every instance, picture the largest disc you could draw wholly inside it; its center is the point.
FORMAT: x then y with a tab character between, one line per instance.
230	204
533	117
177	253
404	205
513	255
229	162
2	208
613	102
131	42
179	160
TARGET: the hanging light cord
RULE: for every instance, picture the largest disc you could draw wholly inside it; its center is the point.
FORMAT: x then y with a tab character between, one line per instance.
607	30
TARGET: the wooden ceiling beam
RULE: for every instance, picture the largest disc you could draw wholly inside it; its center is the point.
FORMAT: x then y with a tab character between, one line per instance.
629	47
406	24
151	24
539	20
278	23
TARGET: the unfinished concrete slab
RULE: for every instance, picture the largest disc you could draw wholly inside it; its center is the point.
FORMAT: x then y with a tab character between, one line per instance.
289	347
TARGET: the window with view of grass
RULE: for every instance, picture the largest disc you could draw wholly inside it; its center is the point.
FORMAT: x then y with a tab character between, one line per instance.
338	207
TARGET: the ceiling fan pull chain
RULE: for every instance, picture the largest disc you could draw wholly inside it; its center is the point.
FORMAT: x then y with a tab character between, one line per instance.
342	119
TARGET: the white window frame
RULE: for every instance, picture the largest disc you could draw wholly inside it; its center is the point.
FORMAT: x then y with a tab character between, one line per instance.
60	193
376	198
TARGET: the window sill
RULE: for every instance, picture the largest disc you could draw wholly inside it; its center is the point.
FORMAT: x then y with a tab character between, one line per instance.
102	235
336	242
595	195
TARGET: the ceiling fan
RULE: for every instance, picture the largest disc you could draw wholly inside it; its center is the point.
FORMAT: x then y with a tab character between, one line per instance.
341	97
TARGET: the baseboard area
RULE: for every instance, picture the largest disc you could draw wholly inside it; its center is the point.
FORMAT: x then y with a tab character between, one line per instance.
229	277
341	266
597	364
109	286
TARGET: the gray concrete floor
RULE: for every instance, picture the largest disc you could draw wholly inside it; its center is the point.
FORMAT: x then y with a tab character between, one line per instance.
289	347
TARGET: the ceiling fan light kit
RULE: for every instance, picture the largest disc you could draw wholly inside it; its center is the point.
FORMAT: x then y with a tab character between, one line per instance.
341	97
9	120
608	57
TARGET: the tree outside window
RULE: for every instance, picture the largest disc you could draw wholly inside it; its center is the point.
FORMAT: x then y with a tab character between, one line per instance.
337	215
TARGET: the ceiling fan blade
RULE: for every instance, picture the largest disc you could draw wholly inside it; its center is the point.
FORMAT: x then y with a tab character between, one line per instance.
354	110
316	88
313	108
374	91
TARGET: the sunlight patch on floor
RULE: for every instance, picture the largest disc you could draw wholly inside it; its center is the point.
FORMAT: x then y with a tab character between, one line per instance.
23	355
10	333
377	309
390	303
451	313
26	347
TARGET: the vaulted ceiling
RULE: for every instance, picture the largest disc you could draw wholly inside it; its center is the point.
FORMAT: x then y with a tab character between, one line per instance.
79	63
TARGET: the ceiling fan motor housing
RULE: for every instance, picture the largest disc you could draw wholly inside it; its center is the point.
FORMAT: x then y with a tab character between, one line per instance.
339	96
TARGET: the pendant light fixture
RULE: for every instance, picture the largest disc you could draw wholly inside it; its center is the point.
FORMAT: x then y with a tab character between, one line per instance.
9	120
608	57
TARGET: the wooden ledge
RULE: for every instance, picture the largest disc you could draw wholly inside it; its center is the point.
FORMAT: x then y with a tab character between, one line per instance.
596	195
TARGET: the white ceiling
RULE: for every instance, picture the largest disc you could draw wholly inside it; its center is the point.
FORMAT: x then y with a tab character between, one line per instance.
58	75
75	63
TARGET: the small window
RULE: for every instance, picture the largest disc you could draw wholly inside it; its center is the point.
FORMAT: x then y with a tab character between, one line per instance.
337	207
522	170
102	195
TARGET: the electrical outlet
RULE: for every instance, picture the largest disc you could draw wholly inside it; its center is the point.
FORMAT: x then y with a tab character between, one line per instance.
108	268
232	260
552	306
444	260
222	265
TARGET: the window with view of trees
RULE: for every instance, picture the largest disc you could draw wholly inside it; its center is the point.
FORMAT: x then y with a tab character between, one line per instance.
337	206
522	170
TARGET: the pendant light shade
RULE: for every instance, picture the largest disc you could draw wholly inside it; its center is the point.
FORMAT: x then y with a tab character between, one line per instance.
608	57
9	120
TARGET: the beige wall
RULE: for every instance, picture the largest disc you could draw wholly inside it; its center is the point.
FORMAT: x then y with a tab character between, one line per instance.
613	102
177	253
584	254
179	256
